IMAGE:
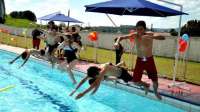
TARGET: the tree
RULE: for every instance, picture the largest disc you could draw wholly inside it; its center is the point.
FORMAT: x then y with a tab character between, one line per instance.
29	15
192	28
173	32
14	14
24	15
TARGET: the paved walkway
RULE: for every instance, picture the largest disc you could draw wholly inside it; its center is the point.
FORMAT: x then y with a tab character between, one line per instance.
187	92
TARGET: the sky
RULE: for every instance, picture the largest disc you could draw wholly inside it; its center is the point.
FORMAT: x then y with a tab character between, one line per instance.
77	10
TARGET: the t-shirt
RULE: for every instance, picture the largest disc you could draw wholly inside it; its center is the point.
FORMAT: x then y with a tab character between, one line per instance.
36	33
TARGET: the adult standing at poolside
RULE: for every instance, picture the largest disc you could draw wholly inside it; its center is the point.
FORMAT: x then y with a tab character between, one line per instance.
36	33
145	61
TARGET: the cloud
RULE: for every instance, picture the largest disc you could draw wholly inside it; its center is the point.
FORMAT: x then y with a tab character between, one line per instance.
39	7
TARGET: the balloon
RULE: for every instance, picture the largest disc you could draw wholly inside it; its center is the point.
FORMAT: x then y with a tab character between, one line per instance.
93	36
182	47
181	41
12	39
185	37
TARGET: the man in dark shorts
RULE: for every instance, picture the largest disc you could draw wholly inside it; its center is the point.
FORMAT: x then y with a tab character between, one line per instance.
36	39
145	61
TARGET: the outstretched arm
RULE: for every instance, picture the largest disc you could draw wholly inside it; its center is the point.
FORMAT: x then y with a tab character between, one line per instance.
25	61
158	36
120	64
124	37
102	74
78	86
80	95
11	62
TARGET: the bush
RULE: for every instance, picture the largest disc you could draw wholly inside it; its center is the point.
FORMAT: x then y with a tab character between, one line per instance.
24	15
173	32
14	14
192	28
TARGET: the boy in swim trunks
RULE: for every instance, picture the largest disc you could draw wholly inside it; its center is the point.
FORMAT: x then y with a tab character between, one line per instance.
96	74
145	61
26	55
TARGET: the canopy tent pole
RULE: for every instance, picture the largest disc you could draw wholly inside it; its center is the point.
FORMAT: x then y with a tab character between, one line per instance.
115	25
179	34
68	16
111	20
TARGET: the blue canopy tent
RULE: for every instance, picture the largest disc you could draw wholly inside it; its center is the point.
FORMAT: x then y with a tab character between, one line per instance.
59	17
132	7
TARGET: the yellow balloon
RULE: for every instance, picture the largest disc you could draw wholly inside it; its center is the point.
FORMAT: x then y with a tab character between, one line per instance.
12	39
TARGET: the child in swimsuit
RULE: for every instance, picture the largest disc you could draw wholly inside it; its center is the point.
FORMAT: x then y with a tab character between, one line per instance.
26	55
69	56
96	74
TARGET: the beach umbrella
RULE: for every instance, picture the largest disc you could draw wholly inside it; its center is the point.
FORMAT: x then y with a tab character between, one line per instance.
59	17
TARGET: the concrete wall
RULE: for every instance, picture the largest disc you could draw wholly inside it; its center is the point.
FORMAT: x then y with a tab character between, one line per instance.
164	48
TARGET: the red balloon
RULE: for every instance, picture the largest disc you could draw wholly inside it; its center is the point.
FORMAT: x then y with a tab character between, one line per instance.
182	45
93	36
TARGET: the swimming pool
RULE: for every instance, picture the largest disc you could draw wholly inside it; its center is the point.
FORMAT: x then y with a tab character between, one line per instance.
39	88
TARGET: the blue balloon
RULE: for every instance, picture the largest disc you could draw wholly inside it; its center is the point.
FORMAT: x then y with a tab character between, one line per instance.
185	37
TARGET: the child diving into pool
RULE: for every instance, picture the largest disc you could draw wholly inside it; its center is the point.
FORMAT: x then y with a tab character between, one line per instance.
70	58
26	55
106	71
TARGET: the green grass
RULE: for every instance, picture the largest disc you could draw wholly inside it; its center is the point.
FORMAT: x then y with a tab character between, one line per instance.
18	22
164	65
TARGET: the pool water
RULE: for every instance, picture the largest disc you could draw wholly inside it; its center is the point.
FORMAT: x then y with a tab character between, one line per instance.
39	88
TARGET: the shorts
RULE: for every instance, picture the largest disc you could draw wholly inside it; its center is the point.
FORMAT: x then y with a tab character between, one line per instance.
51	48
125	76
36	43
147	65
70	55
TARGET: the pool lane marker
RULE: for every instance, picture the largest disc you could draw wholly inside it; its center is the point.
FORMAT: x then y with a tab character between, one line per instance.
7	88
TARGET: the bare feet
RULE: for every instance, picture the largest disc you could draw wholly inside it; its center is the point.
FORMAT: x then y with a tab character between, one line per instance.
158	96
146	88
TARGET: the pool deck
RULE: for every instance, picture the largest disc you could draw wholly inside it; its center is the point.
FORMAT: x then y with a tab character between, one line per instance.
189	93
